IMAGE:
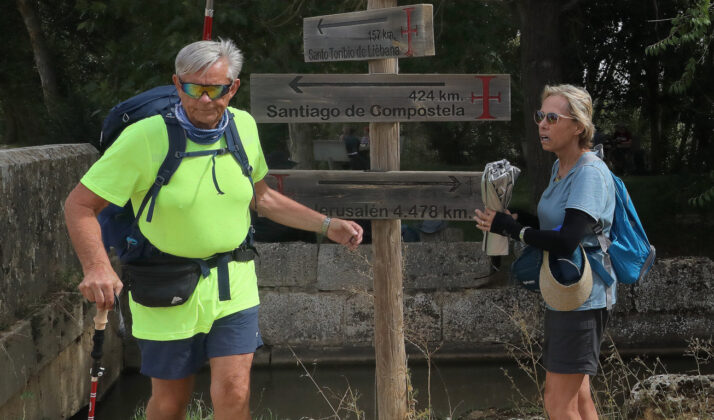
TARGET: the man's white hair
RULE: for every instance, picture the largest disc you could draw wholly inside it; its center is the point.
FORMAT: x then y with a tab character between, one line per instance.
201	55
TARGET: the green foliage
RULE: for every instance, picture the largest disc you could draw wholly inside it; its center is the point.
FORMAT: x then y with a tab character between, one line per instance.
106	51
691	27
704	200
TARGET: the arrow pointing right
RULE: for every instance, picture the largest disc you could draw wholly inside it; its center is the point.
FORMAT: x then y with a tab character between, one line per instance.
454	184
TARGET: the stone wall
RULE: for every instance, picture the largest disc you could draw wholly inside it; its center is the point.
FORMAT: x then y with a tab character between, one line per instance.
45	325
316	300
319	302
35	254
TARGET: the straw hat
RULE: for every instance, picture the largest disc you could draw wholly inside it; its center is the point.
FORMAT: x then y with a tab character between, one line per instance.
566	297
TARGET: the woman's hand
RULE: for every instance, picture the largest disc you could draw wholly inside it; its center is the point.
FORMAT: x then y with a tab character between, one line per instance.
484	220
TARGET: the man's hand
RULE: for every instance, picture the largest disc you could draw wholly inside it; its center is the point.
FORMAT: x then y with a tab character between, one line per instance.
345	232
99	285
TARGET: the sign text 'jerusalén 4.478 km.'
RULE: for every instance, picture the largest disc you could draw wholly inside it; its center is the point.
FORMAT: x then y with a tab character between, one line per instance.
383	195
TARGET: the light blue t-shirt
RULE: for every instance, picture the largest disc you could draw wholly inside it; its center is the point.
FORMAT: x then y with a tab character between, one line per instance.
588	187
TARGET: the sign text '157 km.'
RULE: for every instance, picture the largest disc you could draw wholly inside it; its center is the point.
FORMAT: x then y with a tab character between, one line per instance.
379	97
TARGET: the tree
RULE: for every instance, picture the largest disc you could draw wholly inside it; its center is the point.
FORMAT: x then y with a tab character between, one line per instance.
43	58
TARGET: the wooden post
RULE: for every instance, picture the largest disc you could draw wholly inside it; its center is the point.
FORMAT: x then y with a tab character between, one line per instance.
387	247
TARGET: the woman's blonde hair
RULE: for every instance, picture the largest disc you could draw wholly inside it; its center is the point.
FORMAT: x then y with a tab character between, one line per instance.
580	106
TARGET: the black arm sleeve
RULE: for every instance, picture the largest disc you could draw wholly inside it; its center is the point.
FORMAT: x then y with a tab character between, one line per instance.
576	225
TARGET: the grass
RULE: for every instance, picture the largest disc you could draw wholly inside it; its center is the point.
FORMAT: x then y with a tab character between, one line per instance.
613	388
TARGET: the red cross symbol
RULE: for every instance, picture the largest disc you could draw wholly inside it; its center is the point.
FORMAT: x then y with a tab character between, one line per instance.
486	98
280	178
409	31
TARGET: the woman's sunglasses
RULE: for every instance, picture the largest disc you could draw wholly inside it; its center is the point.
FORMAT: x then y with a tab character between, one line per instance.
213	91
551	117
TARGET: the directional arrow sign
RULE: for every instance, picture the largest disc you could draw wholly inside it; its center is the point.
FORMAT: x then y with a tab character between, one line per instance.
379	97
383	195
395	32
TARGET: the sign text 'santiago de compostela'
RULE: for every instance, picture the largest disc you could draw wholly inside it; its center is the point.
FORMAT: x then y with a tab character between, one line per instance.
329	98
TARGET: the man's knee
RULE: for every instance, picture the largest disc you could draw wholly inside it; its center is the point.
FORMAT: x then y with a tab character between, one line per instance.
169	398
231	390
167	407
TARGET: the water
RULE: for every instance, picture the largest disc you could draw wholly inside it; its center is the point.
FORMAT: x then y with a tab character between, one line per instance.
288	393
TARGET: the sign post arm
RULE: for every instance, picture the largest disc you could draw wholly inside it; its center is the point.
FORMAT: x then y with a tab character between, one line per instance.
390	354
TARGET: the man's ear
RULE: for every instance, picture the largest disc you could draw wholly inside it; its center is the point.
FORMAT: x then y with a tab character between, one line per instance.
234	88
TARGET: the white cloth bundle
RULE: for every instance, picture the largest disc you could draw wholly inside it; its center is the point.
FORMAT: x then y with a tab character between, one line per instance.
496	189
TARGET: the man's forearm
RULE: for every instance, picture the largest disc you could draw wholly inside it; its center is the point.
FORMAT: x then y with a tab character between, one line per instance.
288	212
86	234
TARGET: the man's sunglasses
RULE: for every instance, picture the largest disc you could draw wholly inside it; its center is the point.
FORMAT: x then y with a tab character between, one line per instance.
213	91
551	117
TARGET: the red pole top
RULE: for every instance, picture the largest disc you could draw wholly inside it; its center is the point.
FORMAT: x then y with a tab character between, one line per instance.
208	20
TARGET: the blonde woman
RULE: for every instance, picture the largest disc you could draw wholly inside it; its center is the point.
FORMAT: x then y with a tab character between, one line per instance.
579	196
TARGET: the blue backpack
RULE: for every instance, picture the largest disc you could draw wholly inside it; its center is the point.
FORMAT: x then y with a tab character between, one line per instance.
119	226
627	250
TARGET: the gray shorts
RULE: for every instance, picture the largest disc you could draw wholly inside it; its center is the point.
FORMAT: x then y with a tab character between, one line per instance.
572	340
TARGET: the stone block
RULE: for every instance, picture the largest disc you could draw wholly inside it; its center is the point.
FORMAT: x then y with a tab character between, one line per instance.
488	316
342	269
359	319
294	318
35	253
659	330
422	320
34	349
286	264
682	285
445	265
61	387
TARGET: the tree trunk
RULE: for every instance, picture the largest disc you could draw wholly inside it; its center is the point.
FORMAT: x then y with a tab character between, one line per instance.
653	107
657	148
541	64
9	136
300	145
43	59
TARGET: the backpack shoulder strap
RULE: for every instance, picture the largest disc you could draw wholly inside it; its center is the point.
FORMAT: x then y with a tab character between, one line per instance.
172	160
235	147
603	270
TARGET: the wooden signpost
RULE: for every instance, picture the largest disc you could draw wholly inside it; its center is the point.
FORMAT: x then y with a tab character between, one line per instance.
330	98
380	33
383	195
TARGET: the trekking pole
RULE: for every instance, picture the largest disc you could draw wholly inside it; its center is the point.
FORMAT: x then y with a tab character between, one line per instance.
208	20
100	323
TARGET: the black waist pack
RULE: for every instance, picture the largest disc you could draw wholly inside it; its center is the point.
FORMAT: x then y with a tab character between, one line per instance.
160	283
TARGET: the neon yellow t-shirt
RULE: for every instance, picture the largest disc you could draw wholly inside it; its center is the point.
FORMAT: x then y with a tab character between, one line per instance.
191	219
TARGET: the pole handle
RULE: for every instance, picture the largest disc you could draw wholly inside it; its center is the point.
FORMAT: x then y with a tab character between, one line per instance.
100	319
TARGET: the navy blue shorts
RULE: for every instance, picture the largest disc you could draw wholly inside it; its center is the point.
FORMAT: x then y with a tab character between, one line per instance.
237	333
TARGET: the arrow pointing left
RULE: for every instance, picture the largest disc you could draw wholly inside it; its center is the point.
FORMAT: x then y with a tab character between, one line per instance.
321	25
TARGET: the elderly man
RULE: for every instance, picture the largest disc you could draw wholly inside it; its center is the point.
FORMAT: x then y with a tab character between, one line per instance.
201	213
